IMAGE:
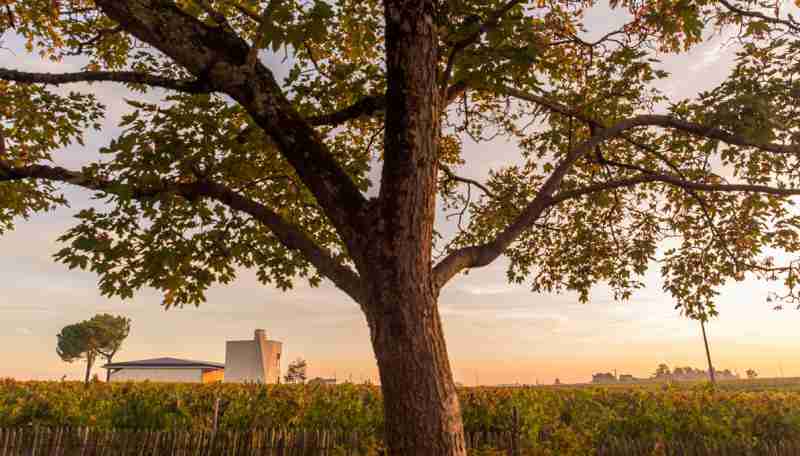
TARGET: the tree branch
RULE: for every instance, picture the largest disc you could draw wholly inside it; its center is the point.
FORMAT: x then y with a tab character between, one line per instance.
290	235
366	107
451	176
221	56
791	24
126	77
372	105
481	255
676	181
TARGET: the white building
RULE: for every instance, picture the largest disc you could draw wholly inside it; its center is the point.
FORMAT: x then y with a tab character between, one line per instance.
166	370
257	360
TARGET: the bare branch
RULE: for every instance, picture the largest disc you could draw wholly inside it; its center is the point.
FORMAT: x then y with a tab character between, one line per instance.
453	177
126	77
290	235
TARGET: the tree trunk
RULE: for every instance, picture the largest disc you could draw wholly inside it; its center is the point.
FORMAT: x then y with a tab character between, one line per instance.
89	364
108	371
421	408
711	373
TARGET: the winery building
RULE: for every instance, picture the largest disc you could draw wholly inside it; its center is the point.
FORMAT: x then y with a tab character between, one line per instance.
166	370
257	360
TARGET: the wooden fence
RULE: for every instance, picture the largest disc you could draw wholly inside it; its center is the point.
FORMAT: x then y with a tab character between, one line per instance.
44	441
732	447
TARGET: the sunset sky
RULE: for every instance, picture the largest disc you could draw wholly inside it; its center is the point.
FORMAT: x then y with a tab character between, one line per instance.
496	332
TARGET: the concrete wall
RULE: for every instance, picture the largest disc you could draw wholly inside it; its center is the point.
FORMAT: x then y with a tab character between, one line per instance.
256	360
272	360
162	374
242	362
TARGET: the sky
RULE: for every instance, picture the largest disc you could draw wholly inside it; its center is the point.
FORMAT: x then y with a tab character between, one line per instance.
496	332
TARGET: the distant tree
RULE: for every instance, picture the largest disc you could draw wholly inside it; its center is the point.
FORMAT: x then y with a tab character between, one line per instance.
751	373
78	341
318	381
557	381
111	331
102	335
662	372
296	372
726	374
603	377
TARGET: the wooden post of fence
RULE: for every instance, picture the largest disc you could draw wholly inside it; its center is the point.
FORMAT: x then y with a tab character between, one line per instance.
215	423
515	431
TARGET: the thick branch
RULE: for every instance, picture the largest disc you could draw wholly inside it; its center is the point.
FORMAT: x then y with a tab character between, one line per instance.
126	77
372	105
291	236
655	120
366	107
216	53
481	255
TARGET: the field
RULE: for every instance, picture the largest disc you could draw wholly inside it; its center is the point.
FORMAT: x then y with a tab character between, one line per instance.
746	385
549	420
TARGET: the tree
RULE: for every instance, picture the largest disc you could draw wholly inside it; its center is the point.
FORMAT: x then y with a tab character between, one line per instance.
234	169
663	372
296	372
111	332
751	374
102	335
78	341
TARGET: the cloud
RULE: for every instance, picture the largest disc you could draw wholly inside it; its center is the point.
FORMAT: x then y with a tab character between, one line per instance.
488	289
24	331
26	309
713	51
519	315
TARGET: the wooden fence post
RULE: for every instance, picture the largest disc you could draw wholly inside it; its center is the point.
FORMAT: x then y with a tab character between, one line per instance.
215	424
515	431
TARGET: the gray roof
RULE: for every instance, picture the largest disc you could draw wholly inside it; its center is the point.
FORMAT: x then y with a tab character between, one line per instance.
166	362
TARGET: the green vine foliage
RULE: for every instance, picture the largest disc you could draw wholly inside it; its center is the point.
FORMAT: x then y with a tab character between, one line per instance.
571	421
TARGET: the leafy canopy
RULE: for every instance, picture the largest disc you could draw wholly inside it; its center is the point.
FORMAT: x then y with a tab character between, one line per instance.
102	334
704	191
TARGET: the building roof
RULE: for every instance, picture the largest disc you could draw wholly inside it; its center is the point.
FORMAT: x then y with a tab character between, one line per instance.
166	362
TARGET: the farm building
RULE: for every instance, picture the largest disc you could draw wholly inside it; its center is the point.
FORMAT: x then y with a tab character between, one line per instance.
166	370
257	360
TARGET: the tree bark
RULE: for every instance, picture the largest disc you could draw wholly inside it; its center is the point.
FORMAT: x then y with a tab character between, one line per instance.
422	412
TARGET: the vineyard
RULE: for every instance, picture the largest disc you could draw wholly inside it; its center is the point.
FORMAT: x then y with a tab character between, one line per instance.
560	421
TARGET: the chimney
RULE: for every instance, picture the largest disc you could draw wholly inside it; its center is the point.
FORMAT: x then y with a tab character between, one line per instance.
260	334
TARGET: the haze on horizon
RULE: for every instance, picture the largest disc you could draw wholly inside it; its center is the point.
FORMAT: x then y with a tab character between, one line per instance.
496	332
